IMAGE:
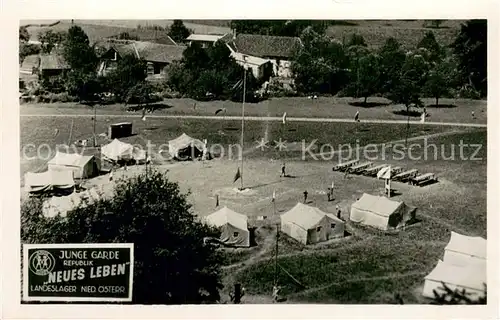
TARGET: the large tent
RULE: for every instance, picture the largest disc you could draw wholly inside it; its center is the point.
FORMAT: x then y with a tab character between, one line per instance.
472	278
83	167
48	181
61	205
233	227
464	250
117	150
185	147
381	212
310	225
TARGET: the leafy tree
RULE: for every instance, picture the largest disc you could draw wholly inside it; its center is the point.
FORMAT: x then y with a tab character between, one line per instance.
454	297
441	79
84	85
429	43
141	94
127	36
470	46
284	28
27	49
178	31
24	35
392	58
172	263
195	58
365	78
78	52
50	39
356	40
128	73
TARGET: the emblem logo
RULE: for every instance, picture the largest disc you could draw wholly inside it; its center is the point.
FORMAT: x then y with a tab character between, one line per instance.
42	262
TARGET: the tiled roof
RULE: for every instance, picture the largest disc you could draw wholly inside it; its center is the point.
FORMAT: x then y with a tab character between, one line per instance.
266	46
53	62
30	62
148	51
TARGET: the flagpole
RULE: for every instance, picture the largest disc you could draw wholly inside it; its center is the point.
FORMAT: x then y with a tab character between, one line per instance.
276	258
243	117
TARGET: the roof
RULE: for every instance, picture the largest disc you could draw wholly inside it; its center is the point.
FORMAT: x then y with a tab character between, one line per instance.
184	141
306	216
30	62
70	159
149	51
249	59
474	246
266	46
117	149
227	216
472	277
61	205
53	62
54	178
381	206
204	37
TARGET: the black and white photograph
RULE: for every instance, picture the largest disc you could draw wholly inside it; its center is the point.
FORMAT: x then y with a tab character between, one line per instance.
253	161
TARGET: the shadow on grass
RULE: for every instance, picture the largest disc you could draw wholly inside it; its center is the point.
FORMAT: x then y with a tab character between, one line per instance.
428	183
150	107
231	128
441	106
368	104
411	113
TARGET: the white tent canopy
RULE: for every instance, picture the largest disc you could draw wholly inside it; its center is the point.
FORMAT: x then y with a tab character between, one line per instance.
184	143
471	278
309	224
48	180
380	212
82	166
464	250
117	150
233	226
61	205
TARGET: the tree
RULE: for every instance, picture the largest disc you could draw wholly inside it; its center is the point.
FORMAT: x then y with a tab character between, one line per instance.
441	79
365	77
454	297
178	31
141	94
78	52
195	58
429	43
50	39
356	40
24	35
27	49
129	72
127	36
392	58
284	28
470	46
84	85
172	262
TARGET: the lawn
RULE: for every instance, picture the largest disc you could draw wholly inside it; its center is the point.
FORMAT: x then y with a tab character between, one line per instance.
452	110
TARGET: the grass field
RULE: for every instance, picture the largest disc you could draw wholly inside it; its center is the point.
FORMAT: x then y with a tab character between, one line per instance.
452	110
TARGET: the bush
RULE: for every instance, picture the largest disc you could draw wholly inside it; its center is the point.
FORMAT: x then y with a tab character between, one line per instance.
56	97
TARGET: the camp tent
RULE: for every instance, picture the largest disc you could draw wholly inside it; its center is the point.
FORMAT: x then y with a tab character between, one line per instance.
310	225
233	227
471	278
463	250
185	147
48	180
61	205
83	167
380	212
117	150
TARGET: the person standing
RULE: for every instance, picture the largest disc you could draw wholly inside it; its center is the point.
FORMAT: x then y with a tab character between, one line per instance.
329	194
111	175
283	170
339	213
305	196
356	116
276	292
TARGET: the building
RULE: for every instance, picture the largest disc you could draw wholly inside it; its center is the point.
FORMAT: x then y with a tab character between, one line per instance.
279	50
233	227
310	225
30	65
260	68
157	56
52	65
207	40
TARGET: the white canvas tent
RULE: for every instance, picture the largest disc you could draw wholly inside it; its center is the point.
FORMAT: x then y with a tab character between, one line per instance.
464	250
310	225
471	278
117	150
61	205
380	212
48	180
83	167
233	227
184	147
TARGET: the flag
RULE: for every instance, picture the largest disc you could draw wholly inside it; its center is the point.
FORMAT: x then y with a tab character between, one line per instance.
384	173
422	118
143	118
333	184
237	175
274	196
284	118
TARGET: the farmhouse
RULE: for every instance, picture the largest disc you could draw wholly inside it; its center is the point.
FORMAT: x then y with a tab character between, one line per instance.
278	50
30	65
232	225
310	225
52	65
207	40
157	56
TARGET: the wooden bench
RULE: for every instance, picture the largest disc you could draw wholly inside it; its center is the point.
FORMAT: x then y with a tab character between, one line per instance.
345	165
360	167
374	170
421	179
405	176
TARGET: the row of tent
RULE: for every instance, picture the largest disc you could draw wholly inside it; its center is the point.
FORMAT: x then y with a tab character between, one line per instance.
463	267
309	225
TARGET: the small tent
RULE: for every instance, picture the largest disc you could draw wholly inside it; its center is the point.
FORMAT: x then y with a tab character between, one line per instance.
117	150
381	212
310	225
472	278
233	227
185	147
48	181
61	205
83	167
463	250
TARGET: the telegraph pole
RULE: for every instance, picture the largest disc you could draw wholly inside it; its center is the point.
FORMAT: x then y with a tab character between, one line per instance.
243	116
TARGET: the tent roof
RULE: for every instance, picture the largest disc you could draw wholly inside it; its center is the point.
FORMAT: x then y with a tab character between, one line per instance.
226	215
472	277
184	141
70	159
474	246
381	206
116	148
37	179
54	178
306	216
